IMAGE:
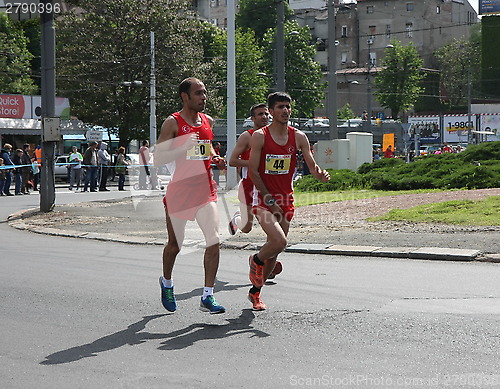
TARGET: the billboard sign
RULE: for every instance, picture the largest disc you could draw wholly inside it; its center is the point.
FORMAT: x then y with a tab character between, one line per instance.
491	123
427	127
29	107
456	128
489	7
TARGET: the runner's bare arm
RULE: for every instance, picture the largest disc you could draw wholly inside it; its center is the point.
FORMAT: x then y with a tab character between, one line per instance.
304	145
242	145
164	152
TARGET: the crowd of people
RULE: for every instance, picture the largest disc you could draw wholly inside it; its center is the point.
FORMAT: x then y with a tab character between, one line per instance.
19	168
90	171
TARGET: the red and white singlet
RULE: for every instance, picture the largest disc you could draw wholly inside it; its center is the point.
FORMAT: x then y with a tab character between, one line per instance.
192	185
276	168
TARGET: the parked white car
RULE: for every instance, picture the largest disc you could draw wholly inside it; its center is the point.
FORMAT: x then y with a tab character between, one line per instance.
61	167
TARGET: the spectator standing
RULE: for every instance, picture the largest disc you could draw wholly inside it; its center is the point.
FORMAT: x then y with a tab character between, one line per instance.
90	164
5	155
2	176
215	169
144	168
18	178
26	170
103	159
389	153
121	167
75	175
37	155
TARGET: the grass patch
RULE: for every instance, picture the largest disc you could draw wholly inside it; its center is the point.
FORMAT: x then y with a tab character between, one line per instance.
460	212
311	198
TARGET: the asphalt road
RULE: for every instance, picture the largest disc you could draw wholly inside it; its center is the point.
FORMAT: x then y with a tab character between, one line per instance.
82	313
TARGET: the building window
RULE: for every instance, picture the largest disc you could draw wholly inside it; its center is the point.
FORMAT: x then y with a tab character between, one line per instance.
388	31
409	7
409	30
344	32
438	9
373	59
369	9
373	32
344	57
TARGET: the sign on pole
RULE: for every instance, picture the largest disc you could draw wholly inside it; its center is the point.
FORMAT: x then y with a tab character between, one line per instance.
94	135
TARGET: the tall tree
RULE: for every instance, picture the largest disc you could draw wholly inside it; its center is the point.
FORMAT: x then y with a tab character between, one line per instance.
303	76
398	84
259	16
105	50
15	71
250	87
459	64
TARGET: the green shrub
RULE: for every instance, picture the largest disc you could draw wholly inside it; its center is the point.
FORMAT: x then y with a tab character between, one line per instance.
477	167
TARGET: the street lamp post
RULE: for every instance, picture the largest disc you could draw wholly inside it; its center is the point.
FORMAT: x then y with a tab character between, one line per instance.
332	72
280	46
369	88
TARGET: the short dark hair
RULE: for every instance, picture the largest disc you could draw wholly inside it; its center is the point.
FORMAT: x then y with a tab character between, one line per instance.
255	106
276	97
145	142
185	85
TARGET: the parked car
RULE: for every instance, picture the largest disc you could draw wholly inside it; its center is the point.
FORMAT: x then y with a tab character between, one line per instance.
317	123
61	170
249	122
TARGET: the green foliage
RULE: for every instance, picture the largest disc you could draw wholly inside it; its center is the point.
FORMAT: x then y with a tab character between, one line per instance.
109	44
475	168
32	31
398	84
339	180
345	113
490	56
250	87
463	212
259	16
15	59
458	62
303	74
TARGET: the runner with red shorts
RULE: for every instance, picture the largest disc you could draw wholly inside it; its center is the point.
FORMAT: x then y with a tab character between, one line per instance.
272	164
243	220
185	145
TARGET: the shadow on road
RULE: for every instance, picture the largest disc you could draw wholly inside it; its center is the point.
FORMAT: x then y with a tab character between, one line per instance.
175	340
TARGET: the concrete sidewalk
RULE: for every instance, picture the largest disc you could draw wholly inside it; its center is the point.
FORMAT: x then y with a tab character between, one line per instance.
139	220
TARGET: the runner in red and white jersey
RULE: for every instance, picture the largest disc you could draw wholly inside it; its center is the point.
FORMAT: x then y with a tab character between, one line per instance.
272	163
185	145
243	220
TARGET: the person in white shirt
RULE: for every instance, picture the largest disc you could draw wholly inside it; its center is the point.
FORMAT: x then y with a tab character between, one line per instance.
75	175
103	159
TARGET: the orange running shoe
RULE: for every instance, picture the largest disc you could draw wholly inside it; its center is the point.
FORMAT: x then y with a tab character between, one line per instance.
257	303
278	268
256	274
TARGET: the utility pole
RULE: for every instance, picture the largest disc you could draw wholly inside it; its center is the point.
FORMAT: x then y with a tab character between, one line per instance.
152	95
231	179
332	71
280	46
50	127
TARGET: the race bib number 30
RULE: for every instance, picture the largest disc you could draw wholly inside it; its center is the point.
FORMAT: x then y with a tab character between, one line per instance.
277	164
201	151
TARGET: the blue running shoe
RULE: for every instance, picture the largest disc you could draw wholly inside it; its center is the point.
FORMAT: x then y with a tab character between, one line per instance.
209	304
168	298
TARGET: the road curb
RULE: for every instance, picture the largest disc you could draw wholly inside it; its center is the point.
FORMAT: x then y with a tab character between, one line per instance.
17	220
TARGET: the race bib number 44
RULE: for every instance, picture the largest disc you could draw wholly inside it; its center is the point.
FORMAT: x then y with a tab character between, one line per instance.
201	151
277	164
